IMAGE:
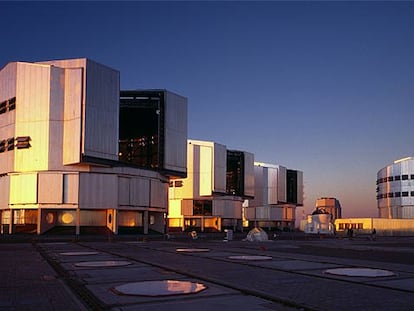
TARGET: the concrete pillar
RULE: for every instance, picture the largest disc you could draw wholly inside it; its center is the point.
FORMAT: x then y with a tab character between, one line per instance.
202	224
39	221
11	221
145	221
77	221
115	221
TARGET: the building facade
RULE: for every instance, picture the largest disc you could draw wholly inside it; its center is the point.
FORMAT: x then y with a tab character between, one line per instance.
62	164
278	191
395	190
211	197
330	206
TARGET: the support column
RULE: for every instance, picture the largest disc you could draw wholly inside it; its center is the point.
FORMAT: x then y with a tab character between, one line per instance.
115	221
202	223
77	221
11	221
145	222
39	221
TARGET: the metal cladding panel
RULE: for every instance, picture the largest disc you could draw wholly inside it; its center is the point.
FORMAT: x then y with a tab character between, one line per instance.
23	188
72	129
50	189
262	212
56	124
159	194
175	155
32	116
281	189
227	208
4	191
8	76
220	164
98	190
275	213
260	184
206	170
299	188
139	194
187	207
71	188
100	110
272	185
248	174
123	191
101	123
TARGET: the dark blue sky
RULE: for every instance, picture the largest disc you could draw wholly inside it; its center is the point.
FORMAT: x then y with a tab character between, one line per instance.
323	87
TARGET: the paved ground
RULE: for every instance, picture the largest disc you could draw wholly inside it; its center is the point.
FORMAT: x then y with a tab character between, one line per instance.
46	274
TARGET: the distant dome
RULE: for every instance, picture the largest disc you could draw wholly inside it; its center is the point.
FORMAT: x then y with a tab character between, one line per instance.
257	235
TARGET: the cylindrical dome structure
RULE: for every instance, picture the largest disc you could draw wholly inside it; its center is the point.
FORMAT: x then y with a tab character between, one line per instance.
395	189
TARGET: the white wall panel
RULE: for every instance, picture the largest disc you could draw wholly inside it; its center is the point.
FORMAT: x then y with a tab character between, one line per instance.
70	188
32	116
272	185
281	192
248	174
8	75
175	132
50	189
72	116
101	124
206	173
123	191
23	188
98	191
4	192
220	168
139	194
159	194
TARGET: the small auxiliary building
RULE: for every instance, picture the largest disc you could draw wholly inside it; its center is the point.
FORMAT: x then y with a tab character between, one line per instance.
278	191
72	157
217	183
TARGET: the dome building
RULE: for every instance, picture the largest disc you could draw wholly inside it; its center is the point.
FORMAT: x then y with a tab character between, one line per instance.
395	190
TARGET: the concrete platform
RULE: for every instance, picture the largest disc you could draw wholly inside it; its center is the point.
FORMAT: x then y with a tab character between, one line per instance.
36	276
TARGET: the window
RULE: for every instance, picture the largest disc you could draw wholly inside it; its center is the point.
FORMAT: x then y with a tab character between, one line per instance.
10	143
397	178
22	142
202	208
412	176
178	183
3	106
390	195
12	103
412	193
397	194
404	177
390	178
404	193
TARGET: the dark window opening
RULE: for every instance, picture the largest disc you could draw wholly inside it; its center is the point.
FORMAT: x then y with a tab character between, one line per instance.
390	195
412	193
292	186
404	177
397	178
235	173
397	194
178	183
391	178
202	208
404	194
3	107
141	132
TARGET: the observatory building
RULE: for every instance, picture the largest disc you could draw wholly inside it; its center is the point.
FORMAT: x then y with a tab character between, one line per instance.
76	153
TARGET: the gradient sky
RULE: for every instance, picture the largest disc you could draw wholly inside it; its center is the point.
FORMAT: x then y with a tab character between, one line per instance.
322	87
